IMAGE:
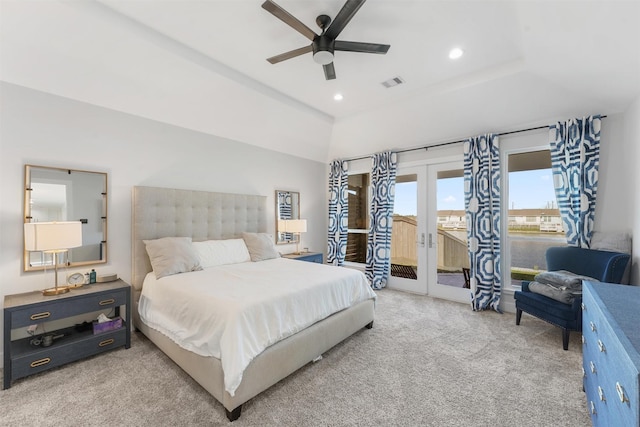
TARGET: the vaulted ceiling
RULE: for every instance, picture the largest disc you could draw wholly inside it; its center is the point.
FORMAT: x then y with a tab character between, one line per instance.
202	65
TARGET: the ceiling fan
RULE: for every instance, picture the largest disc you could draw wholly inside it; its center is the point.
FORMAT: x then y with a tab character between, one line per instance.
323	45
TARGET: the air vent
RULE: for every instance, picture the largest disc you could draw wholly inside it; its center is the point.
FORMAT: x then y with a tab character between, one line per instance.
393	82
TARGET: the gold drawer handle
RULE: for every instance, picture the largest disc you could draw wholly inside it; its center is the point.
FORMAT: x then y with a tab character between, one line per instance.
107	301
106	342
623	397
40	362
39	316
601	394
601	347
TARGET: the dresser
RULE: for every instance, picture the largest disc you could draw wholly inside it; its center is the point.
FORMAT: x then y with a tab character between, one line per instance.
26	356
306	256
611	353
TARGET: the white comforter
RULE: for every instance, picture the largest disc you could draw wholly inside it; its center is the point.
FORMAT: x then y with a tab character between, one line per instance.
234	312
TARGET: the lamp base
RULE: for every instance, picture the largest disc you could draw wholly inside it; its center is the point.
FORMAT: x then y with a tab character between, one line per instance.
55	291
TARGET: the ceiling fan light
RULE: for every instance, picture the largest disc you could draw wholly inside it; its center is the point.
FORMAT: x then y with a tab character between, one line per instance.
323	57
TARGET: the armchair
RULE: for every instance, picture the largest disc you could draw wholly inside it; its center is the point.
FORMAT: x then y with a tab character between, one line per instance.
601	265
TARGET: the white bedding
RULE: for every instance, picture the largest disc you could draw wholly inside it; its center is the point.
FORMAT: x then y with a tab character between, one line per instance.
234	312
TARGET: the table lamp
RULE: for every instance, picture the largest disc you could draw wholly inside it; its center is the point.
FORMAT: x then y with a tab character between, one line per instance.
295	226
54	238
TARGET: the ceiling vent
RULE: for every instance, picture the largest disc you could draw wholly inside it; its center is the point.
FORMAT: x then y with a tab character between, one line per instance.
393	82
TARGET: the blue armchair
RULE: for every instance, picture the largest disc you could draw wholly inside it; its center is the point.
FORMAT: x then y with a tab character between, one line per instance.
601	265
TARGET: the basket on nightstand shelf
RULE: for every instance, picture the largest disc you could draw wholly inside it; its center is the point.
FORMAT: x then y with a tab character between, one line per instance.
115	323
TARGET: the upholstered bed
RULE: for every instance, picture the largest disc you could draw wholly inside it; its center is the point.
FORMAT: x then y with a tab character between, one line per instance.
202	216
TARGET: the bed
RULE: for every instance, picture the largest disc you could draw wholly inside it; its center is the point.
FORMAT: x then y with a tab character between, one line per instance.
205	216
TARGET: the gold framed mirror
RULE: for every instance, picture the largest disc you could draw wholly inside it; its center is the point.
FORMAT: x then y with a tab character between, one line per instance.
287	207
56	194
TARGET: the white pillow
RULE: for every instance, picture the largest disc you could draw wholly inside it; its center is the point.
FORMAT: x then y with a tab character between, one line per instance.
221	252
261	246
172	255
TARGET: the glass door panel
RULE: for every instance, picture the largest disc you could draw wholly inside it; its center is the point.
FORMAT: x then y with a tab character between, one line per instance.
447	237
408	260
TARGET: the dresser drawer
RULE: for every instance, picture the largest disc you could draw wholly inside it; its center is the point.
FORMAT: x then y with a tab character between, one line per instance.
61	352
67	307
610	360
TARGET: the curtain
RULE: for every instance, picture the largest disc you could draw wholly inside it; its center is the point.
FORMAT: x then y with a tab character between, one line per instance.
482	204
383	181
338	212
575	156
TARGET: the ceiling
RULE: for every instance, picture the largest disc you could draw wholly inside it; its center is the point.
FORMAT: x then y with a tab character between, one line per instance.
202	65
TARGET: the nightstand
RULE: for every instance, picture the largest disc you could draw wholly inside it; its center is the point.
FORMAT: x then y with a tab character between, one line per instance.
306	256
21	358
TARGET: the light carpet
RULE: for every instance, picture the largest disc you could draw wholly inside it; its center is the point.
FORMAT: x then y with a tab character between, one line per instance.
426	362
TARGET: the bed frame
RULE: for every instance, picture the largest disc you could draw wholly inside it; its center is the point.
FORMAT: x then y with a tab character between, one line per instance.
201	215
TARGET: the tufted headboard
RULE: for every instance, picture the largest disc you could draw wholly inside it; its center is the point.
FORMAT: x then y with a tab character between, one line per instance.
201	215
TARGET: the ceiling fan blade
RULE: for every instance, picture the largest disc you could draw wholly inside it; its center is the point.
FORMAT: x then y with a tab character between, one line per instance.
329	71
288	19
343	17
361	47
289	55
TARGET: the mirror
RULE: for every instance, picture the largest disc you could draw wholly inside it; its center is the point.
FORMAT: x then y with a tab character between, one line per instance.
287	207
54	194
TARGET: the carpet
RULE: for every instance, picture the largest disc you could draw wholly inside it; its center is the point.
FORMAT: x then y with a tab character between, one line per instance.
426	362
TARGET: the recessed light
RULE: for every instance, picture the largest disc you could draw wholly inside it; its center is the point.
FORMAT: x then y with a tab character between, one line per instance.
338	97
455	53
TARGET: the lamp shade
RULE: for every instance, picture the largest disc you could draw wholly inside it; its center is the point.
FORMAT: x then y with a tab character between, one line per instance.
292	225
51	236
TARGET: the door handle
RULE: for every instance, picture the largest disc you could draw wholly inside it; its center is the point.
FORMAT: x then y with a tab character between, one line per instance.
430	240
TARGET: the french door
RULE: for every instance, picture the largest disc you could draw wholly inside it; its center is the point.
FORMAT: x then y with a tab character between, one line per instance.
428	246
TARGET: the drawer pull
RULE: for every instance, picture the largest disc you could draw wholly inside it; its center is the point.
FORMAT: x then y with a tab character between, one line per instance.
593	408
593	326
39	316
584	341
40	362
106	342
107	301
584	373
601	346
601	394
623	397
593	367
584	307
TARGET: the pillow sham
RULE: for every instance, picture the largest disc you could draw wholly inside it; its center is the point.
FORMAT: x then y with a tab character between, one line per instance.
172	255
260	246
221	252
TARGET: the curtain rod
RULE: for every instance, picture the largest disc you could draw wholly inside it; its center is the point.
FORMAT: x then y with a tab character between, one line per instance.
442	144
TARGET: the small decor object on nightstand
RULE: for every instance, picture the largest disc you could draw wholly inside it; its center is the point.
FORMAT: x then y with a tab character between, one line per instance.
76	280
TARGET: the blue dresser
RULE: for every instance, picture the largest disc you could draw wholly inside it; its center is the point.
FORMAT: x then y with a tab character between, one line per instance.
611	353
306	256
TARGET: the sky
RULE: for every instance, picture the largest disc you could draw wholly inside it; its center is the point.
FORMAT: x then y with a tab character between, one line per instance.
527	190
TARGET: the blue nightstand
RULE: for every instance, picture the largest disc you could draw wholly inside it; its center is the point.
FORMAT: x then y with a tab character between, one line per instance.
306	256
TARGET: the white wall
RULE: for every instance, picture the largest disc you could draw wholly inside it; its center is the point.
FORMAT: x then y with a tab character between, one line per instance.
631	151
47	130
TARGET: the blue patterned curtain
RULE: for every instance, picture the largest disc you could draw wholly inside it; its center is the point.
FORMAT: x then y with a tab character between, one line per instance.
482	202
338	212
575	157
383	182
